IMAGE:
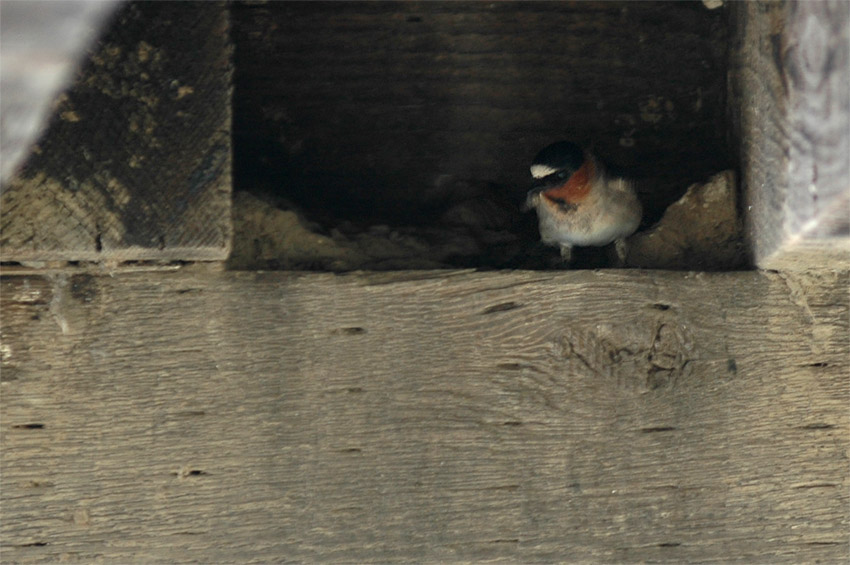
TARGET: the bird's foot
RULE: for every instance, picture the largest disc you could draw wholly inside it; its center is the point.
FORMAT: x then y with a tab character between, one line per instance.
621	250
566	253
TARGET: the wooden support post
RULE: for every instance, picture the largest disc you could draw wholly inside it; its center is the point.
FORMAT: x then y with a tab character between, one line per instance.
790	100
136	162
41	45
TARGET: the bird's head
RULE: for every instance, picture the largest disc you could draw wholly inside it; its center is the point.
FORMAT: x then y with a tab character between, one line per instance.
563	173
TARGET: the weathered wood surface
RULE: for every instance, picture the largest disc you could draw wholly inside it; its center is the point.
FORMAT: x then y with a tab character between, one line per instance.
425	416
135	164
40	46
790	101
367	108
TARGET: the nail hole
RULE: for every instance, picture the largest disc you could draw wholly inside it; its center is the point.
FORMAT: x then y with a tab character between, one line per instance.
657	429
189	473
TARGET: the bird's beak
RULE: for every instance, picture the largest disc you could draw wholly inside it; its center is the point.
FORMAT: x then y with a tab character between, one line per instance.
539	185
534	195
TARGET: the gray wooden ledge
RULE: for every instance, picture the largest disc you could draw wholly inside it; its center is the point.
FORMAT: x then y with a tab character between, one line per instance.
425	416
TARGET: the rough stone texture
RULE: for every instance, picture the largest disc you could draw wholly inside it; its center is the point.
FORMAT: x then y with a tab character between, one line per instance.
701	231
274	234
135	164
268	237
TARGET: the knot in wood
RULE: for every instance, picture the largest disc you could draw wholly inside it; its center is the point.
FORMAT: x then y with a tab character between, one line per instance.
643	357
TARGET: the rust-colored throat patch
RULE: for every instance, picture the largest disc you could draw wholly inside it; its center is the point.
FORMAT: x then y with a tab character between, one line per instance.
576	188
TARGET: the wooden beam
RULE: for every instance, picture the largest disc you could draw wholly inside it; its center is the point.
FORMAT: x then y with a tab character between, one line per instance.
790	104
425	416
135	164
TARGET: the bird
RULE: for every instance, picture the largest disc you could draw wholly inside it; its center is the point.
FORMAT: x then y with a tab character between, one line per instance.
579	203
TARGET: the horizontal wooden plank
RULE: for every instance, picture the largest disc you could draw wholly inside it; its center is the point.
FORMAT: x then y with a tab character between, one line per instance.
425	416
135	164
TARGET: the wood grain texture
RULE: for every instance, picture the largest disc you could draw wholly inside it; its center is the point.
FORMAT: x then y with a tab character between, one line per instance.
40	47
135	164
426	416
366	108
790	102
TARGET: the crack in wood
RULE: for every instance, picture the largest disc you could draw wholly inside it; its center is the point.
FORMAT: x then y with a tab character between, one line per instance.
816	426
503	307
28	426
190	414
657	429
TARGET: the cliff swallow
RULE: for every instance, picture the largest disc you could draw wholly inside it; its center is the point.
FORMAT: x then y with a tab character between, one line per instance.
578	203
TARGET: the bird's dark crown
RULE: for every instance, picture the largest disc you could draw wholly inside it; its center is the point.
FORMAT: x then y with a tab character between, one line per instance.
560	156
